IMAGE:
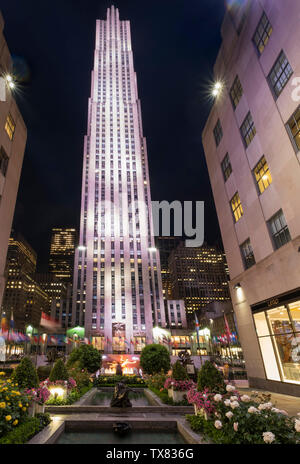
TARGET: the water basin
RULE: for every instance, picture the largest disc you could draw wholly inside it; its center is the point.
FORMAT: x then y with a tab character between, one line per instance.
107	437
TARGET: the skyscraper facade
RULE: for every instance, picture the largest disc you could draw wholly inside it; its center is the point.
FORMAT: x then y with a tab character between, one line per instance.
13	135
252	146
117	293
62	249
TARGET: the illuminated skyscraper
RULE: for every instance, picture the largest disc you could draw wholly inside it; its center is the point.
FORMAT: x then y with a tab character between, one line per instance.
117	285
62	250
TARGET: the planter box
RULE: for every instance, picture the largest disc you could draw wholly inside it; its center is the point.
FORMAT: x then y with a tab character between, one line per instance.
39	408
31	409
177	396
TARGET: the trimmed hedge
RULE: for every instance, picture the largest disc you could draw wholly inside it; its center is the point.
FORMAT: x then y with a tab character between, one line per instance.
25	431
210	377
154	359
164	397
25	374
43	372
110	381
71	398
59	372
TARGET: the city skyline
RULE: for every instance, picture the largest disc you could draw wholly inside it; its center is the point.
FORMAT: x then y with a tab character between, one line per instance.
60	193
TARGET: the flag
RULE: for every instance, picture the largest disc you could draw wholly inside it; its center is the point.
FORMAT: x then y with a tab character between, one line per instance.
53	340
49	322
227	329
3	323
127	342
197	328
12	322
131	341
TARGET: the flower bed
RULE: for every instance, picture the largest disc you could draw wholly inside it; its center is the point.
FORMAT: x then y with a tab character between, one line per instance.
163	396
231	418
25	431
111	381
13	405
179	385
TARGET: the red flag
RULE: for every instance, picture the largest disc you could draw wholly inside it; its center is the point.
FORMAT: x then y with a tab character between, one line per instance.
49	322
131	341
227	329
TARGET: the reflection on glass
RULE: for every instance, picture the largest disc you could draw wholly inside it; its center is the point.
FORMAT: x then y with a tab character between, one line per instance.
295	314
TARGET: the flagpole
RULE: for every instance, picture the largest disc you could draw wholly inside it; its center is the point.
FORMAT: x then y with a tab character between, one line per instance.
197	332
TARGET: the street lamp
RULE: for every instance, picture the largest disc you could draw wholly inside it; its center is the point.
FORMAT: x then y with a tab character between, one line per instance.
217	89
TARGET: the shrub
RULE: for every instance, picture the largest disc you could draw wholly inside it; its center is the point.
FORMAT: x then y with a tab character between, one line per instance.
111	380
164	397
157	380
13	405
43	372
155	358
59	372
25	374
24	432
85	357
81	377
209	377
179	372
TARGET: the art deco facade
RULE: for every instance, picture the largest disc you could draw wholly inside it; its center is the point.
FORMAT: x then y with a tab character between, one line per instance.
117	286
198	276
252	143
13	136
62	249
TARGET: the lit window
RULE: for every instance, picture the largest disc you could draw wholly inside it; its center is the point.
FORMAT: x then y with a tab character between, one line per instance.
263	33
236	207
280	74
226	167
248	130
10	126
247	254
293	127
262	175
236	92
279	230
218	133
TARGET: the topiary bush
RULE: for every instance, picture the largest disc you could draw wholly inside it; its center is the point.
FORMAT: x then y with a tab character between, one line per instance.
179	372
211	378
59	372
25	374
154	359
85	357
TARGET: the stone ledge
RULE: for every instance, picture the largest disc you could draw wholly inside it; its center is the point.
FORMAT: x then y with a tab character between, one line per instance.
49	434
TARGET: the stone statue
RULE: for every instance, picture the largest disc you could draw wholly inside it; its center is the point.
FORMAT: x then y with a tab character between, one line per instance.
121	428
120	397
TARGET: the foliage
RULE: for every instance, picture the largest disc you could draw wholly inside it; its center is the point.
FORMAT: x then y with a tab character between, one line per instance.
86	357
81	376
39	395
155	358
43	372
25	374
179	372
156	381
235	419
25	431
111	380
59	371
179	385
164	397
13	405
7	370
72	397
209	377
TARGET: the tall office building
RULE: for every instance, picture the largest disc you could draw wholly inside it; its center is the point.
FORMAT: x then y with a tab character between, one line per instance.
13	136
117	285
252	147
198	276
165	245
23	295
62	249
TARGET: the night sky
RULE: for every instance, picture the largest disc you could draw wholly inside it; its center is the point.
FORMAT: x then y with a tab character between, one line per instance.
175	44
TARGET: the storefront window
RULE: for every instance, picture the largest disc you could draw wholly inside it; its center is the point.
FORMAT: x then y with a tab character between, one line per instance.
278	333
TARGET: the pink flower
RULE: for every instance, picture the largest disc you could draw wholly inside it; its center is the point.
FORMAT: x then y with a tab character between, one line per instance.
235	426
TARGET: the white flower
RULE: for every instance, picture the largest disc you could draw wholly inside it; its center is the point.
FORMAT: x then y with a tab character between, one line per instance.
245	398
236	426
227	402
297	425
275	410
265	406
229	414
217	415
218	424
252	410
234	404
233	398
218	397
230	388
268	437
282	411
298	413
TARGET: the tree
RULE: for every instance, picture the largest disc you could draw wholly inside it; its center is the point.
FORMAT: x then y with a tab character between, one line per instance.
26	375
59	371
210	377
85	357
179	372
154	359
